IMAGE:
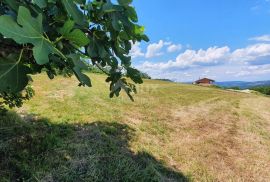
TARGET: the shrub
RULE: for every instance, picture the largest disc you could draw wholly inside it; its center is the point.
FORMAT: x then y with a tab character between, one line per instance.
262	89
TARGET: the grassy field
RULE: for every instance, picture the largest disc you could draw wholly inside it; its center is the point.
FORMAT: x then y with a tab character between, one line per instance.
172	132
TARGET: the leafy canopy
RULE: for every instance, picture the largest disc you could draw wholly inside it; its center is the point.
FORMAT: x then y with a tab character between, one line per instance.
64	35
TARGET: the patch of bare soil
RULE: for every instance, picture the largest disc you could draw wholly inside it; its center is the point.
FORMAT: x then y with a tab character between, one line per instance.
210	135
59	94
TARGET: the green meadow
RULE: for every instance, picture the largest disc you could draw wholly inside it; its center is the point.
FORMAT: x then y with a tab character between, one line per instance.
172	132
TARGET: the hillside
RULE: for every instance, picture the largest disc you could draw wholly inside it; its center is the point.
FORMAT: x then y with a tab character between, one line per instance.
243	85
172	132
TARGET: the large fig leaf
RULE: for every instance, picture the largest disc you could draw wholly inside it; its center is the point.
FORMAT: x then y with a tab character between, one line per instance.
74	12
79	65
76	36
13	4
13	75
40	3
28	30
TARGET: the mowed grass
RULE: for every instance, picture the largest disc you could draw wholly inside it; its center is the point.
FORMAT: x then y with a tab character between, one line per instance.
172	132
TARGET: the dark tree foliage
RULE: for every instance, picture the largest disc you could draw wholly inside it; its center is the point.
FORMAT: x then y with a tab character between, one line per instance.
145	75
262	89
56	36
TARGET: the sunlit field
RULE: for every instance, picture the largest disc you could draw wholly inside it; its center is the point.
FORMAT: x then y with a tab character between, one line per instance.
172	132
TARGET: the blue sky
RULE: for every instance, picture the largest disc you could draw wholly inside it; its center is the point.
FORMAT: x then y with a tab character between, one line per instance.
222	39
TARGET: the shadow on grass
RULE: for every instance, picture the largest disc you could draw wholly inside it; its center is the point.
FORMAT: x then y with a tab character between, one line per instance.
38	150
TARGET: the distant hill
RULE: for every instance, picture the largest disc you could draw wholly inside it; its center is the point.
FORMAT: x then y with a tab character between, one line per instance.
165	80
243	85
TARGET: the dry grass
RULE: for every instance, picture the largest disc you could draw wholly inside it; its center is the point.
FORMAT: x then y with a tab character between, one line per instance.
206	134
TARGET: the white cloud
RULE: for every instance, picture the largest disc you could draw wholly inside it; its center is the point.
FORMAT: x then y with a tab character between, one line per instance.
243	73
212	55
136	50
254	70
263	38
229	72
154	49
261	69
167	43
251	62
251	53
188	46
186	74
247	71
191	58
174	48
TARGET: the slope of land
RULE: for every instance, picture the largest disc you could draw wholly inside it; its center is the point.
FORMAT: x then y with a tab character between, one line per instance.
172	132
243	85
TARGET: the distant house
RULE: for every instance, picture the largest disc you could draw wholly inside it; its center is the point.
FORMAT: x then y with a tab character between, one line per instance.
204	81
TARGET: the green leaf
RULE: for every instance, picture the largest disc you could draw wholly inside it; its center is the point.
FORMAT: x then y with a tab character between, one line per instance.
92	49
139	30
101	50
145	38
13	75
30	31
128	46
78	62
13	4
113	63
135	75
41	3
124	2
80	1
52	1
109	7
74	12
79	65
126	60
116	88
132	14
84	79
103	28
123	35
115	22
76	36
68	26
122	84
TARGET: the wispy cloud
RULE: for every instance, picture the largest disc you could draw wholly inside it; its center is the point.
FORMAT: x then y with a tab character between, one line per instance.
253	70
263	38
136	51
174	48
154	50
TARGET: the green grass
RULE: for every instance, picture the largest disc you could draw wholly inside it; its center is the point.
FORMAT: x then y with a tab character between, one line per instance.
40	150
172	132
